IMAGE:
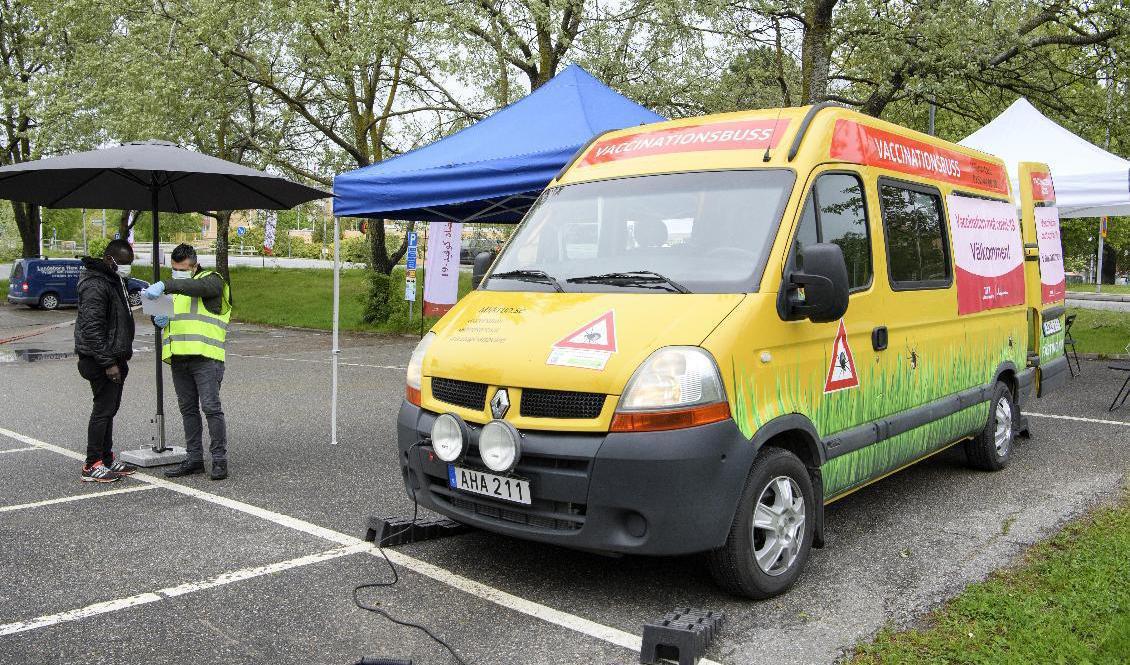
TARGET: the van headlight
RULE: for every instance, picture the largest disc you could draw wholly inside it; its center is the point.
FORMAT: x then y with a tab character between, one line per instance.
416	368
500	446
677	386
449	436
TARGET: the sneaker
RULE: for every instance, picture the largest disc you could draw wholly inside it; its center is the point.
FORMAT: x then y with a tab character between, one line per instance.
99	473
219	470
185	469
123	468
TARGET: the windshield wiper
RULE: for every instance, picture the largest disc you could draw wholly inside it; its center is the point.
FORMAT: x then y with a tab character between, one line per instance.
535	276
641	278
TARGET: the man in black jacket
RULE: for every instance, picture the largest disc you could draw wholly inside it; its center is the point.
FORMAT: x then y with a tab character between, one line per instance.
104	344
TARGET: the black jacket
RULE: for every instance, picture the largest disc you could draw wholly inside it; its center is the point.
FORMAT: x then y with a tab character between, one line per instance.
104	328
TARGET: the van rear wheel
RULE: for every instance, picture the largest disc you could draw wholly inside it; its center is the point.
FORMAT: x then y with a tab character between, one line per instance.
991	449
771	535
49	301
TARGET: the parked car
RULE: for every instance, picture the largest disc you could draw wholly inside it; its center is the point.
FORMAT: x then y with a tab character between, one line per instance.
472	248
53	283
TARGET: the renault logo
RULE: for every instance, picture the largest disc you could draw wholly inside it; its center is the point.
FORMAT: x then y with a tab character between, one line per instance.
500	403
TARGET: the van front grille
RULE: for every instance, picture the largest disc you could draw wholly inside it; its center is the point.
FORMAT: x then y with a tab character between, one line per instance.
466	394
538	403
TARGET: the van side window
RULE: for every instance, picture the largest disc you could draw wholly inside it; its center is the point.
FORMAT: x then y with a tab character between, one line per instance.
916	239
835	212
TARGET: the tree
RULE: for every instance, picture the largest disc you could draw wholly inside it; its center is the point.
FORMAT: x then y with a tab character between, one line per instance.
534	36
336	80
37	39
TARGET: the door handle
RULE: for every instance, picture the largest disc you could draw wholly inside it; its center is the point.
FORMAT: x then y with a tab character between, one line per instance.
879	338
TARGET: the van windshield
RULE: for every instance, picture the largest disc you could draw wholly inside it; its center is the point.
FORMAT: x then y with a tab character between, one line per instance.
704	232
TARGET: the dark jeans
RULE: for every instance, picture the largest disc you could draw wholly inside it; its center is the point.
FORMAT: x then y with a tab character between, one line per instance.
107	399
197	382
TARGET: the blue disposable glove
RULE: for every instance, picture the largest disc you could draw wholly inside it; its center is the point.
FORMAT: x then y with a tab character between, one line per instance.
161	320
154	291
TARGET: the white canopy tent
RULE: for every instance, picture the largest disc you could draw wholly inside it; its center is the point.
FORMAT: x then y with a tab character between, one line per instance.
1089	181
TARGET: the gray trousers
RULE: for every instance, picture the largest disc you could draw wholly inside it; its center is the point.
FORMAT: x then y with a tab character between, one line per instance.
197	381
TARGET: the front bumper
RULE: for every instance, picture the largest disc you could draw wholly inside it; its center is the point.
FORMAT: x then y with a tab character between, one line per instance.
656	493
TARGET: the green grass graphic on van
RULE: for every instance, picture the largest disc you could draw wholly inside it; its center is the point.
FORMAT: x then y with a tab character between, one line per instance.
885	389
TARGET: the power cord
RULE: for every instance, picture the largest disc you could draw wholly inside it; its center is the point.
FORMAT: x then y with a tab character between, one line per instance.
396	578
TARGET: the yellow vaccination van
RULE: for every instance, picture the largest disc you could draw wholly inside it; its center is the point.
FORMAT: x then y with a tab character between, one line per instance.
707	329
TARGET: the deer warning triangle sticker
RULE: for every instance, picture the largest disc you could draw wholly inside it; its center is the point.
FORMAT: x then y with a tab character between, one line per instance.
597	335
841	372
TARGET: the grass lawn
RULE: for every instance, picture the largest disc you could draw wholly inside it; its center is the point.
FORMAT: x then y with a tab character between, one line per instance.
1121	289
304	298
1067	601
1101	331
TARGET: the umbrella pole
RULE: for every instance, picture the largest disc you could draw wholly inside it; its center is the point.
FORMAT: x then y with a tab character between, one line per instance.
160	419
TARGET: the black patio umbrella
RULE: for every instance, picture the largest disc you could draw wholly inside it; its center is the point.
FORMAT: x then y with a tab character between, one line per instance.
153	175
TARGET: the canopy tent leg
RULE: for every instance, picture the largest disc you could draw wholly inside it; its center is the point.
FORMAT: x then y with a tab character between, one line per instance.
336	350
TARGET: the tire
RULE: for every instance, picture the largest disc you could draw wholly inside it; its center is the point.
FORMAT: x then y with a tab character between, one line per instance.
134	299
991	449
49	301
735	566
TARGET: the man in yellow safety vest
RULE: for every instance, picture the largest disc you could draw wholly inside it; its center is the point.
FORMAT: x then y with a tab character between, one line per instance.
192	342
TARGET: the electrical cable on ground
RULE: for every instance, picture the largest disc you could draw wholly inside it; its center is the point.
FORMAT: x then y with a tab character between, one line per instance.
395	579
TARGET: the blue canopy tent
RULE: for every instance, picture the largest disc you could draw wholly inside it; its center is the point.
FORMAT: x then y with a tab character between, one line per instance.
493	170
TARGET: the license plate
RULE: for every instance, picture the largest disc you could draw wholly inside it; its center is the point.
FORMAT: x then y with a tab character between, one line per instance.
488	484
1051	327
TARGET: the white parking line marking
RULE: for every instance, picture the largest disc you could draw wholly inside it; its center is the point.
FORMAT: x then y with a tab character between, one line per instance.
1085	420
19	450
322	362
80	497
477	589
174	591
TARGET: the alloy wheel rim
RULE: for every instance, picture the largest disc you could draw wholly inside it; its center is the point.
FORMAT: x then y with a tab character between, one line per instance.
1002	436
49	302
778	526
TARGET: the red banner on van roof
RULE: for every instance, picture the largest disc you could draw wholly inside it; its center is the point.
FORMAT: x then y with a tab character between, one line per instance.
861	144
737	135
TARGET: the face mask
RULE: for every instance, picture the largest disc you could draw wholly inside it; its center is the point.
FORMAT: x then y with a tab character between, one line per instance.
123	271
182	274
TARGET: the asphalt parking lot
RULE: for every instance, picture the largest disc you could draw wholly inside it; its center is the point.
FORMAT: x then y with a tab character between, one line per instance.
260	568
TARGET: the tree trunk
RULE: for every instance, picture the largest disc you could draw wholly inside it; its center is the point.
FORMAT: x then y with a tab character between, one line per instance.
28	222
124	223
816	52
223	224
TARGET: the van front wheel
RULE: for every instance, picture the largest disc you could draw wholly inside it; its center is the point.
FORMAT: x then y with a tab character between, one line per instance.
991	449
771	535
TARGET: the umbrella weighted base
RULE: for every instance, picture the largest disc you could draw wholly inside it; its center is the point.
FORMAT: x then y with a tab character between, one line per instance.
147	457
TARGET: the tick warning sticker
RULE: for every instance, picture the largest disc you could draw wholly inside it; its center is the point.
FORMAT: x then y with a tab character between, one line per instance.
841	372
587	347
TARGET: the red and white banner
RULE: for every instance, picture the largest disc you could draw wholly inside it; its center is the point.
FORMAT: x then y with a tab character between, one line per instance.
988	254
441	265
861	144
1052	278
1043	189
737	135
269	232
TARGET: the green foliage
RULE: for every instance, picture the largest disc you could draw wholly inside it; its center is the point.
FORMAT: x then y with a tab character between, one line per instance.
1067	601
377	305
97	246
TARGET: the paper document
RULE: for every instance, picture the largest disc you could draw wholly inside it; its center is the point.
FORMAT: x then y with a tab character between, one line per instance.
162	306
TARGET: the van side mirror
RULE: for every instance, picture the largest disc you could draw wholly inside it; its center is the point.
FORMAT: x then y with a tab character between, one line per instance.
820	291
482	265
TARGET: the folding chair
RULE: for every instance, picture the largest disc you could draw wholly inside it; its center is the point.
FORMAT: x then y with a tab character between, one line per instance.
1124	391
1069	342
